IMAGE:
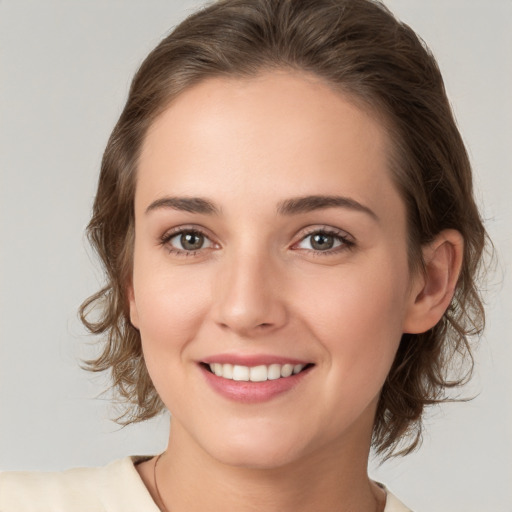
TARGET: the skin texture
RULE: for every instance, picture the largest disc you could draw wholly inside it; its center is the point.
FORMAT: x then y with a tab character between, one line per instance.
257	286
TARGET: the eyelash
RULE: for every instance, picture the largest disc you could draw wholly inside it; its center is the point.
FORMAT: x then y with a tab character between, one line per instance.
168	236
345	242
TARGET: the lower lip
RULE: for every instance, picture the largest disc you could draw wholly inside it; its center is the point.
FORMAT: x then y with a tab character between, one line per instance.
252	392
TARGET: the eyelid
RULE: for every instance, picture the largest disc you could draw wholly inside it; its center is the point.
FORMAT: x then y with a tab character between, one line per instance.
347	240
188	228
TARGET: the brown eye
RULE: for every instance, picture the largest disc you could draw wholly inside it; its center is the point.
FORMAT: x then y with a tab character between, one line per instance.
191	241
322	241
188	242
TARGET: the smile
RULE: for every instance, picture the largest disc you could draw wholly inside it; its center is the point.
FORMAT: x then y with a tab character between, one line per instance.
260	373
253	379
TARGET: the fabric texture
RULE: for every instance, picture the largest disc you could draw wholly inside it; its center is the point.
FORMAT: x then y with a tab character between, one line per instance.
116	487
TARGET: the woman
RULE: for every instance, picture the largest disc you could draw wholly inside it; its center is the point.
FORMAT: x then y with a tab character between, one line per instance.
286	219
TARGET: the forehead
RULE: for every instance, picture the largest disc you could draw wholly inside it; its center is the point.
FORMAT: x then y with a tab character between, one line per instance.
275	131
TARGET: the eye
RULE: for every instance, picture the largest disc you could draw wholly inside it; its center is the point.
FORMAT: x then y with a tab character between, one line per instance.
324	240
186	241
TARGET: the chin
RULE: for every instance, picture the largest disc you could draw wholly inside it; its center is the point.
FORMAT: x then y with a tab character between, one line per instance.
256	452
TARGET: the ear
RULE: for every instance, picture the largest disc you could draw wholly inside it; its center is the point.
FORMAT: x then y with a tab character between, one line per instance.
134	314
432	291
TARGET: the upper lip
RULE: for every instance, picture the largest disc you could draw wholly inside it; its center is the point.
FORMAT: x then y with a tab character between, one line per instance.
252	360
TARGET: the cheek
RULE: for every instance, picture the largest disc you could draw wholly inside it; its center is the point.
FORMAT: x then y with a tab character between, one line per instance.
171	311
357	315
170	307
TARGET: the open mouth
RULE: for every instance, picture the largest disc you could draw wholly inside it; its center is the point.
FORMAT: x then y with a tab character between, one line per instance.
260	373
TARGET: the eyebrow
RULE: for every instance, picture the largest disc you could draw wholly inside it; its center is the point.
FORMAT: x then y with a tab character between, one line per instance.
306	204
292	206
185	204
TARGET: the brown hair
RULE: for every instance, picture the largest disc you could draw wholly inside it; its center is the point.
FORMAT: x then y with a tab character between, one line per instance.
358	47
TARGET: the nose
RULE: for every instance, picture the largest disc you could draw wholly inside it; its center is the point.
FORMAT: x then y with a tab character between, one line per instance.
249	297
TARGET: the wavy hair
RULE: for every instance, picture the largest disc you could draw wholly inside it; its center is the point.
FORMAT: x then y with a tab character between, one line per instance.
361	49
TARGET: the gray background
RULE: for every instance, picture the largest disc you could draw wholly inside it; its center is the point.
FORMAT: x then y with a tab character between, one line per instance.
65	69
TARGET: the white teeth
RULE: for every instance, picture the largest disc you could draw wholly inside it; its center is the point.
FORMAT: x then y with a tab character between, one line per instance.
297	368
240	372
274	372
286	370
227	371
259	373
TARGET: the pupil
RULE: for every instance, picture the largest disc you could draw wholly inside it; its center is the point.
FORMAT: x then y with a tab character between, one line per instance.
322	242
192	241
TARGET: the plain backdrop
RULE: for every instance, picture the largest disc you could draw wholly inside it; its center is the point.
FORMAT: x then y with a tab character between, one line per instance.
65	70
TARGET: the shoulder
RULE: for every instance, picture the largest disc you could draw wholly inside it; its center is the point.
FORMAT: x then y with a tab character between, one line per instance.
113	488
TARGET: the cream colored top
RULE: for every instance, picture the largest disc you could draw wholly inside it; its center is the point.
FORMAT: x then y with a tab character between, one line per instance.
116	487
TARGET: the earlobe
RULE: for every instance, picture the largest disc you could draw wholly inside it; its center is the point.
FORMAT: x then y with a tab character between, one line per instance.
434	291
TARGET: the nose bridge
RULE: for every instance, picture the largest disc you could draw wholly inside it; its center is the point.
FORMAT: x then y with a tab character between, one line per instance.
248	298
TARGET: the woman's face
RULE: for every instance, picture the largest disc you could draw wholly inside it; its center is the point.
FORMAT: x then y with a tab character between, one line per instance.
270	239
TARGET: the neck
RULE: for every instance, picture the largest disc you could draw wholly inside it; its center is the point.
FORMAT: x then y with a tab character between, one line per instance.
190	479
